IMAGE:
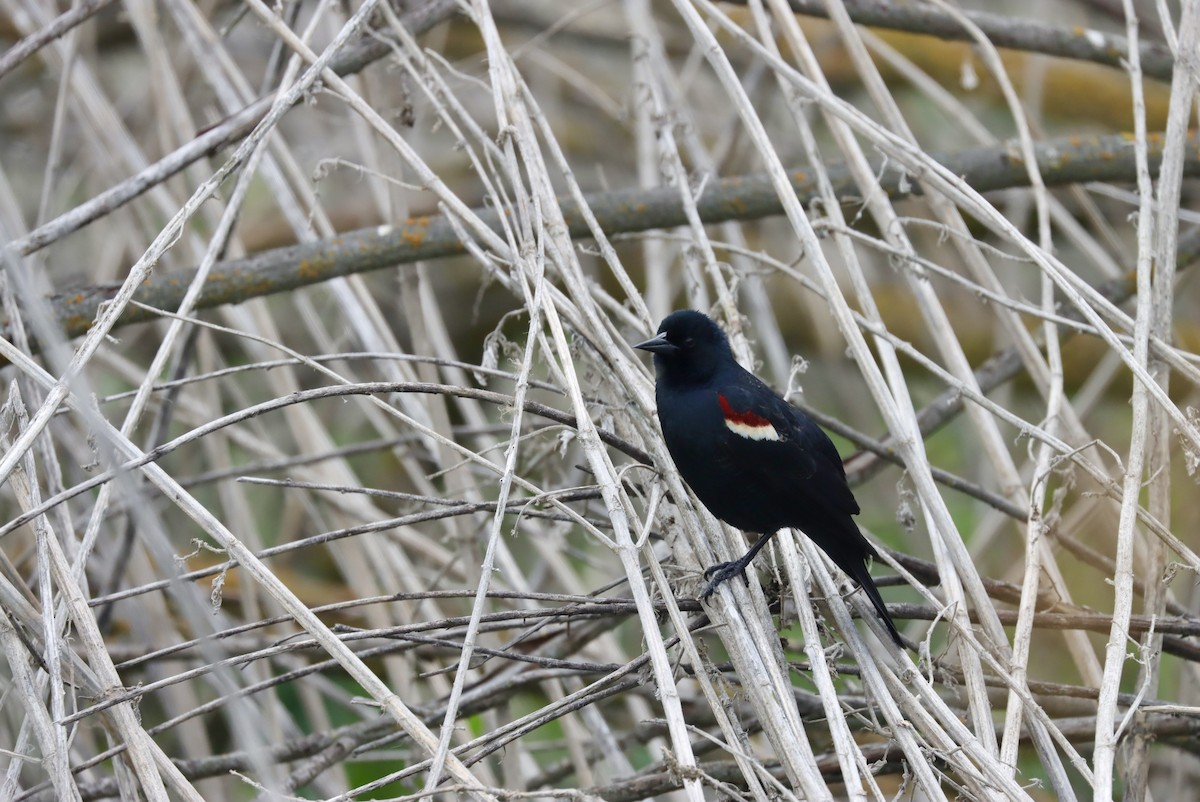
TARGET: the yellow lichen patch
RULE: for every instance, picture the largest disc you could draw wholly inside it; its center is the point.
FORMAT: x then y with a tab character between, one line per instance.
308	270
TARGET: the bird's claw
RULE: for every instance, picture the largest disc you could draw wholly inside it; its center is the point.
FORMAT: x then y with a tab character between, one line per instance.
716	574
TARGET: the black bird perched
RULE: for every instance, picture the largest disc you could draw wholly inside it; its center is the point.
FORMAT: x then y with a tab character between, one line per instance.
752	458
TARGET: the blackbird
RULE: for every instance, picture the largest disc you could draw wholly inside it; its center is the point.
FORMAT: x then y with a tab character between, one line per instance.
754	460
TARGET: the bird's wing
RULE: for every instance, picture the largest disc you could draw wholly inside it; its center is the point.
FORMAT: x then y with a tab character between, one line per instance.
789	444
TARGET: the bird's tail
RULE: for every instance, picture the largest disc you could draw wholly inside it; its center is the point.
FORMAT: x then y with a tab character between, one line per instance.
862	576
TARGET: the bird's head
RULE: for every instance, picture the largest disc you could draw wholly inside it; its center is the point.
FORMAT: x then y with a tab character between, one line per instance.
688	350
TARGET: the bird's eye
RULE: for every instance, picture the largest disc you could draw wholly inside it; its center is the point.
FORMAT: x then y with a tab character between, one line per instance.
689	342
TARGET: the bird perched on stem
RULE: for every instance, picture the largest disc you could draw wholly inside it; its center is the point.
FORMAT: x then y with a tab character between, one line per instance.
753	459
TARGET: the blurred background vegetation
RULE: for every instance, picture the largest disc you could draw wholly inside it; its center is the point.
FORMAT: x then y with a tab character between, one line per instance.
369	391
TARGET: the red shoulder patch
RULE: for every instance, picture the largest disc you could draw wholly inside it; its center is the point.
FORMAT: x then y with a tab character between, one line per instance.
747	418
747	424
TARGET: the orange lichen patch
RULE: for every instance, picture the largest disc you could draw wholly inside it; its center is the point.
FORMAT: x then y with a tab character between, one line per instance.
800	177
413	232
309	270
77	324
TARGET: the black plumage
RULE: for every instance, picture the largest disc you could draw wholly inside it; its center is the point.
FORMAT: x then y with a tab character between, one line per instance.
754	460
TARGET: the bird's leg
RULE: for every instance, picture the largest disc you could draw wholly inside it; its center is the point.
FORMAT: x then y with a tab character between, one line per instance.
720	572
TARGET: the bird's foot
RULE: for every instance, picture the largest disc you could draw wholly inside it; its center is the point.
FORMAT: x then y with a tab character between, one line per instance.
721	572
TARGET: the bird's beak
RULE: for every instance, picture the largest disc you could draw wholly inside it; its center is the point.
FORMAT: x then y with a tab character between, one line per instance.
658	344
